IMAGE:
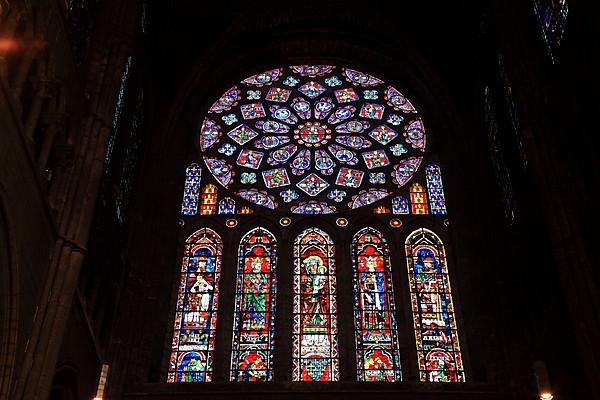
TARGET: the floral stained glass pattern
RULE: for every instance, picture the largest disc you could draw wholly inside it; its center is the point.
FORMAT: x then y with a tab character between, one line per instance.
254	318
299	126
377	349
315	349
189	205
438	348
197	304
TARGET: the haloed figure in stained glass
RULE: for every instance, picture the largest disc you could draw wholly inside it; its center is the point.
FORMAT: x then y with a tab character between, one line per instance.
314	308
314	302
436	332
252	348
315	322
378	357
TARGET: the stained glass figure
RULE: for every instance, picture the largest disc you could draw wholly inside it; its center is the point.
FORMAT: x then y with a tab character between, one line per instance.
360	78
220	170
418	199
265	78
435	189
228	99
397	100
278	95
191	190
365	197
249	158
282	155
436	334
383	134
400	206
312	70
286	129
415	134
253	110
375	159
312	185
242	134
227	206
323	107
373	111
269	142
269	126
349	177
311	89
315	349
196	313
260	198
313	207
404	170
209	134
276	177
208	203
377	346
345	95
302	108
254	317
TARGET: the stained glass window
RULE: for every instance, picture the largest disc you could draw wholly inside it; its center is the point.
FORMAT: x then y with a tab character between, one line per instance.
418	199
227	206
307	139
377	350
552	18
208	204
315	349
435	189
400	205
189	205
196	314
254	318
436	335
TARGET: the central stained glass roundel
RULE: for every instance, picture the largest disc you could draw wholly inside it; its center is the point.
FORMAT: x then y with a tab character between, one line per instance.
312	139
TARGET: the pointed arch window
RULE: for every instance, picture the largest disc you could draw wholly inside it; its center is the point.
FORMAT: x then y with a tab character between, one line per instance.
436	334
191	190
315	349
254	318
196	313
377	349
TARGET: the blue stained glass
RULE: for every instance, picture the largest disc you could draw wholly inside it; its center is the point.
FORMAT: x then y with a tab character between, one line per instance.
227	206
400	206
435	189
191	191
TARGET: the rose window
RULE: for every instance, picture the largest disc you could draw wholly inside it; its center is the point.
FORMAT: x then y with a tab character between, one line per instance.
312	139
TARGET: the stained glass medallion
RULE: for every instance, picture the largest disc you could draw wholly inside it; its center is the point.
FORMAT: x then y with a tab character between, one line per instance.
316	135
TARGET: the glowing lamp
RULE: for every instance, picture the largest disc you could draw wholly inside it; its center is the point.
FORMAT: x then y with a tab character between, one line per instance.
546	396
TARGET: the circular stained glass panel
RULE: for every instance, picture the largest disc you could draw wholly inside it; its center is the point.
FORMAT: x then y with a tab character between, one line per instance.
312	139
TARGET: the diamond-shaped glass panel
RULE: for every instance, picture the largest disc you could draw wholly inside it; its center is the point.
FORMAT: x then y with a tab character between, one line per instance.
311	89
312	185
